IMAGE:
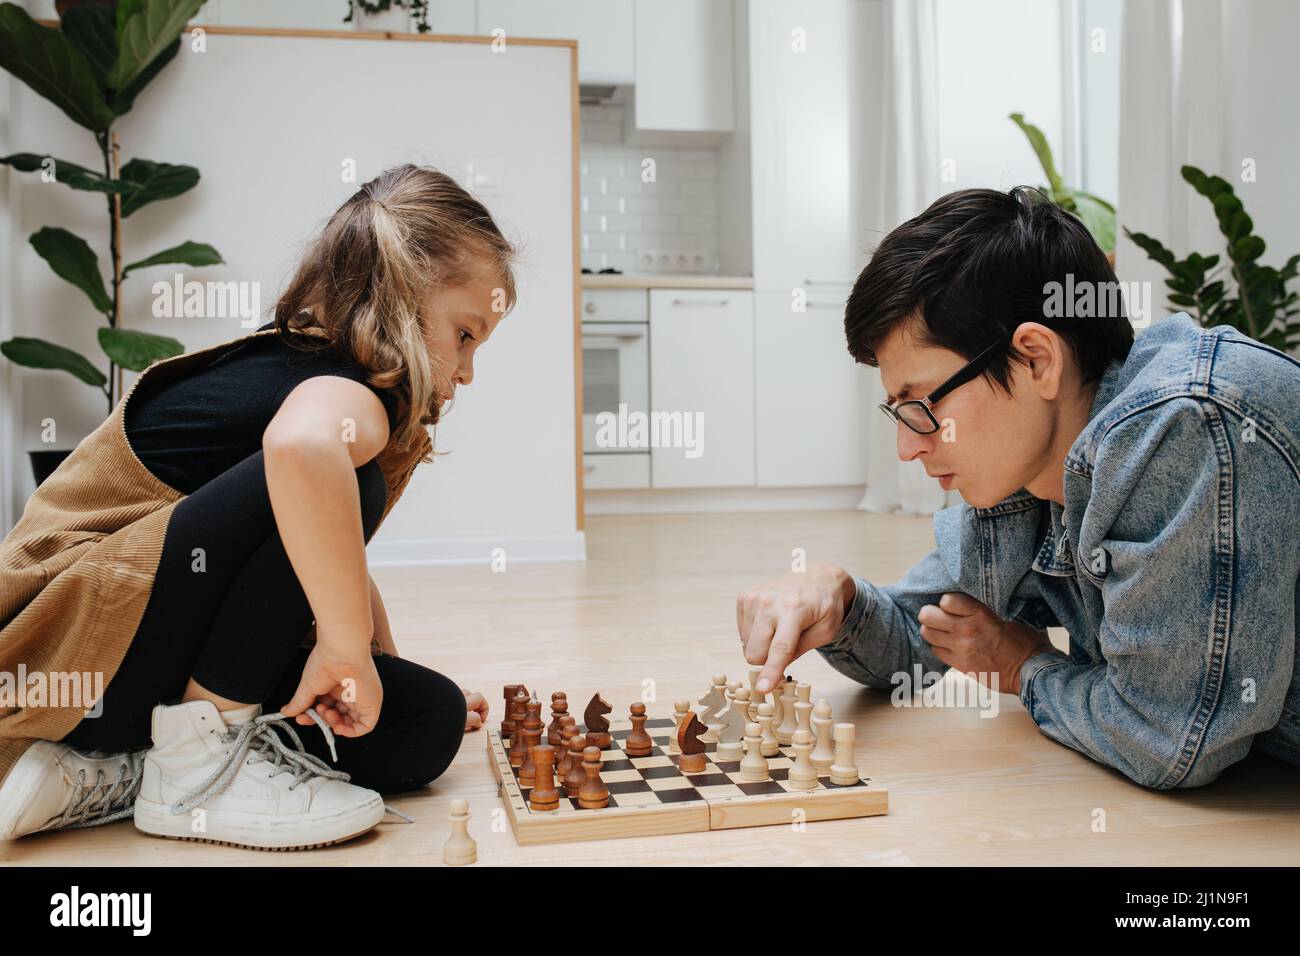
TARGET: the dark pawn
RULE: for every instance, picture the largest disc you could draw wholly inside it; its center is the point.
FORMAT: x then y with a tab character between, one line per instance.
638	743
593	794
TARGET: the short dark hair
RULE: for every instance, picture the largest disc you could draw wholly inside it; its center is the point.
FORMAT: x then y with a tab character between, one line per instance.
975	265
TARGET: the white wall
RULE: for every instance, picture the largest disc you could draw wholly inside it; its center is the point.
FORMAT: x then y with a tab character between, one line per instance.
997	57
269	121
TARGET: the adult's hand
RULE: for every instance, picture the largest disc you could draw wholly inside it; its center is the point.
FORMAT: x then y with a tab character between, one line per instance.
785	618
965	633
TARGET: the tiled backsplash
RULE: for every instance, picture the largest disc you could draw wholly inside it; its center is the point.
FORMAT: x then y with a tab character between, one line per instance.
674	218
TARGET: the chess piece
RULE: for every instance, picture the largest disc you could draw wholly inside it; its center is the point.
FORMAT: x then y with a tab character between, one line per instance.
755	698
803	709
518	707
575	775
593	794
596	724
559	708
753	769
544	796
711	704
770	747
680	709
778	710
532	736
733	719
460	847
844	772
803	775
567	732
689	743
786	726
534	719
823	756
508	715
638	743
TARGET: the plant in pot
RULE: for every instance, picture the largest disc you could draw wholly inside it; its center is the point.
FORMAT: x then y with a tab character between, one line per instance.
1259	304
1096	213
92	67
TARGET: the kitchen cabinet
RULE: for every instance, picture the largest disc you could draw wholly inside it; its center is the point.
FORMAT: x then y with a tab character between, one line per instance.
702	366
685	88
816	75
811	398
604	29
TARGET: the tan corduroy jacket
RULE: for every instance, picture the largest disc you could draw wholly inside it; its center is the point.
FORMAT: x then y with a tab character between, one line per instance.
77	569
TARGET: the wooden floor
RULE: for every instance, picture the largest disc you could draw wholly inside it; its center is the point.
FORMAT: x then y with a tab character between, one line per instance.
656	601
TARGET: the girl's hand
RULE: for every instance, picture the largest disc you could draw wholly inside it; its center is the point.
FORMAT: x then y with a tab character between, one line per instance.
343	688
476	710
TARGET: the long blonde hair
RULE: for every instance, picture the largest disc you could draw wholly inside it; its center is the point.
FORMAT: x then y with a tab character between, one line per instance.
361	284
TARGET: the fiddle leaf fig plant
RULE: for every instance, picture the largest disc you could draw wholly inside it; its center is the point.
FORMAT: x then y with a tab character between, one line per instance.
92	67
1259	304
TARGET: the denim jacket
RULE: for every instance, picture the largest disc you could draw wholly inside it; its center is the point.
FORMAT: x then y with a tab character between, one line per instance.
1174	565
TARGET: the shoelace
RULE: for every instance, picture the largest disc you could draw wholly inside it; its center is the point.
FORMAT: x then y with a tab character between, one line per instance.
258	737
98	803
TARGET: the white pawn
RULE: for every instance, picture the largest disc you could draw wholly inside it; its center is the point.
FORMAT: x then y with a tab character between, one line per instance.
786	727
755	698
753	769
770	746
680	709
460	847
823	755
844	772
803	775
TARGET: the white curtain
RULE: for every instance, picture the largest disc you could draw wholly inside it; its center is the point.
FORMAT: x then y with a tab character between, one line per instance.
1171	114
909	182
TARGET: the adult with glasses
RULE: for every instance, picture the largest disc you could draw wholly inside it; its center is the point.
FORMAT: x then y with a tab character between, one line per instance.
1143	494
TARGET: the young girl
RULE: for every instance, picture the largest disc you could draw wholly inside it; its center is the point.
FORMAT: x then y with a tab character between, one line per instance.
213	565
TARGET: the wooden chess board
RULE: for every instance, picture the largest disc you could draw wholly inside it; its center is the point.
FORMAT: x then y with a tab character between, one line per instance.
650	795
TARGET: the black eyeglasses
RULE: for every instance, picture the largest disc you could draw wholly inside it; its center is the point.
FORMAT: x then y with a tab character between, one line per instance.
916	413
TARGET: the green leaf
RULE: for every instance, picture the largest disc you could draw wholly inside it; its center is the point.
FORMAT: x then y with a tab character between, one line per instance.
1095	198
155	181
1042	150
123	100
1152	248
50	64
90	27
188	253
1246	250
1184	300
72	259
145	28
70	174
1099	219
137	350
37	353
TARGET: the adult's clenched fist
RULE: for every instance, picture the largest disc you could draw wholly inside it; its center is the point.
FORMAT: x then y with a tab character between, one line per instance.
785	618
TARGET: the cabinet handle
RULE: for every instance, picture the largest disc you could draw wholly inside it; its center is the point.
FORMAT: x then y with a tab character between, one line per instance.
677	302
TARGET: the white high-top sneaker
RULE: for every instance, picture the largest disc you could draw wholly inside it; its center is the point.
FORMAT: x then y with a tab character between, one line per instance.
54	787
230	778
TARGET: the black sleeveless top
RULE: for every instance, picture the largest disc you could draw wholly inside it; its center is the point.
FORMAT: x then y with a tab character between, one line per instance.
189	431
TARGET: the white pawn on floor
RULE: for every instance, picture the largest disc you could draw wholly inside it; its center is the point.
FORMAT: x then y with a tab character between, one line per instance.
844	772
753	769
460	847
770	746
803	775
823	755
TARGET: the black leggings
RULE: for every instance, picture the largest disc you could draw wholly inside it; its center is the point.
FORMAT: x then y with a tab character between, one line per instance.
227	609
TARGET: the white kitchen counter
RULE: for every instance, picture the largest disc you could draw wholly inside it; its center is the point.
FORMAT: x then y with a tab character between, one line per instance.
665	280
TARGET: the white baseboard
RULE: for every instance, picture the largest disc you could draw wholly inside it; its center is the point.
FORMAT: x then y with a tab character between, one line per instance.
418	551
701	500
